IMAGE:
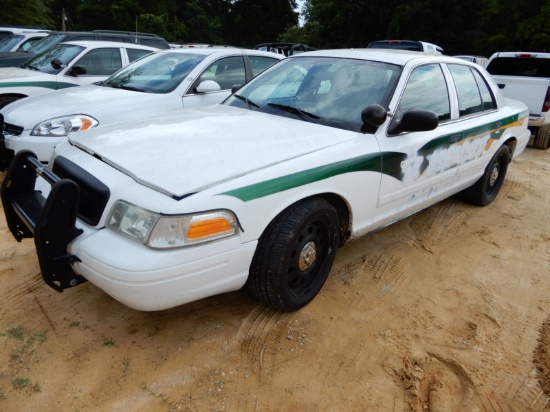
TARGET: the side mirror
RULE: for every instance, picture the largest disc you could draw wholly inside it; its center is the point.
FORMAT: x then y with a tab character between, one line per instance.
57	64
235	88
374	115
77	71
415	120
208	86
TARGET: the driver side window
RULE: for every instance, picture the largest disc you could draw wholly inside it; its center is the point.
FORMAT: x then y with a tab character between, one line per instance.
226	72
426	89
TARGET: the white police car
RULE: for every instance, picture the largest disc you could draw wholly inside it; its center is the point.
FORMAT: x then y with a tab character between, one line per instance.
261	190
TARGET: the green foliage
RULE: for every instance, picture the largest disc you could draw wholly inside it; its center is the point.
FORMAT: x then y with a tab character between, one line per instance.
459	26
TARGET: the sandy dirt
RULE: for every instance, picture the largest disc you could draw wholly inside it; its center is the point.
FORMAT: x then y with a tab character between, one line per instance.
447	310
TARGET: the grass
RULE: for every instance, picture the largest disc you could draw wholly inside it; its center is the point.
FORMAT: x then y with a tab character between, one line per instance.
109	342
20	383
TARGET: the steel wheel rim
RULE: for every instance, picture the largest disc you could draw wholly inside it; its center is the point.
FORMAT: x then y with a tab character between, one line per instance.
308	254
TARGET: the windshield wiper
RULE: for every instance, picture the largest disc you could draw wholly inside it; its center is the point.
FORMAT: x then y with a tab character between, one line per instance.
134	89
248	101
294	110
32	68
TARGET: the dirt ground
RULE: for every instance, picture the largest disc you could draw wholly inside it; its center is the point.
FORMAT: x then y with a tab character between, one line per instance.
446	310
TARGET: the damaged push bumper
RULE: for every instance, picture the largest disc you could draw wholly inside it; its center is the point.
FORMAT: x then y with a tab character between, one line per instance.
50	221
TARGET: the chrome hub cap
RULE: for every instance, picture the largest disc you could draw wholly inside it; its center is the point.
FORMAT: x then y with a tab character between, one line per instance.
307	256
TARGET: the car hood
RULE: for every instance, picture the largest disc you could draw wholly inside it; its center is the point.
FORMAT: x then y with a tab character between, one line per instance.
189	151
15	73
102	103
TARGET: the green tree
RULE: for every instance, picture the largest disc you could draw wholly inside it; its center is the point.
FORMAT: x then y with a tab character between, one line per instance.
27	13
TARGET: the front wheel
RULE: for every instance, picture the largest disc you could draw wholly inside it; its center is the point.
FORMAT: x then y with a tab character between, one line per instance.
295	255
485	190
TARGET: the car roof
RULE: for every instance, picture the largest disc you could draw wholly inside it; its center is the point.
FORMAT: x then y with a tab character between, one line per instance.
219	50
395	56
96	44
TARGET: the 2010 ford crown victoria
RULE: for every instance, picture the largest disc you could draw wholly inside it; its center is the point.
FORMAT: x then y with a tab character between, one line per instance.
261	190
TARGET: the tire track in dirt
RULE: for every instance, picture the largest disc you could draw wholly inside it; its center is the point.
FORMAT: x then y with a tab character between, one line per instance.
517	391
260	336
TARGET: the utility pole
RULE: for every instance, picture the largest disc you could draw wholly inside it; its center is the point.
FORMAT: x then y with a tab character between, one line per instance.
63	19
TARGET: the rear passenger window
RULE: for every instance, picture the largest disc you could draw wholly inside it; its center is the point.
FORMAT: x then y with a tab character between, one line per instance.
426	89
134	54
468	91
260	63
487	98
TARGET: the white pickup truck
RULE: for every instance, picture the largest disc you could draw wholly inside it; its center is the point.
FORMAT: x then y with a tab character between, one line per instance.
525	76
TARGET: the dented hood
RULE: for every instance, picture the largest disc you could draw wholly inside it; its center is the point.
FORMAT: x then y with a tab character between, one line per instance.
188	151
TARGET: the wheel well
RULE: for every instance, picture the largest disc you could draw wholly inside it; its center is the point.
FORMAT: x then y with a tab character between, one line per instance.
511	143
342	208
17	95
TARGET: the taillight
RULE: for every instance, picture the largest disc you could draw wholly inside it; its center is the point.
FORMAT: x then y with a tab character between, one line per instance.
546	104
526	55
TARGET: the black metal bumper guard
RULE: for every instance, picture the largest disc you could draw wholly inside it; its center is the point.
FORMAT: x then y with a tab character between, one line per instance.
51	221
6	155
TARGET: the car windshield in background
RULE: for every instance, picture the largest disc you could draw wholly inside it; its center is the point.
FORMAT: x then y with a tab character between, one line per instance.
397	44
65	53
7	43
519	66
328	91
46	43
156	73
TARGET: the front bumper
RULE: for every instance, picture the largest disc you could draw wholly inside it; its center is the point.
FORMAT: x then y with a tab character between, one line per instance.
71	252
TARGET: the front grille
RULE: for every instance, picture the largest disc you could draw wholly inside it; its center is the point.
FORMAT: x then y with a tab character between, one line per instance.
94	195
12	129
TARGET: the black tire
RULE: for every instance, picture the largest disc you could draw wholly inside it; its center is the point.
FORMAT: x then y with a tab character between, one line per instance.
294	255
542	138
486	189
5	100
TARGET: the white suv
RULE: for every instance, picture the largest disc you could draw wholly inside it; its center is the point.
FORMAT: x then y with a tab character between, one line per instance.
411	45
21	40
166	80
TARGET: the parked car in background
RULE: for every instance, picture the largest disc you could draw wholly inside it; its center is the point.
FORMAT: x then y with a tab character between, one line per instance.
21	41
67	65
525	76
7	30
260	191
286	49
167	80
481	60
16	59
410	45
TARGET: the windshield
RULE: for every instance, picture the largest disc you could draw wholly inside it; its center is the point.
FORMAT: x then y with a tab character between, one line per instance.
43	62
9	42
324	90
156	73
46	43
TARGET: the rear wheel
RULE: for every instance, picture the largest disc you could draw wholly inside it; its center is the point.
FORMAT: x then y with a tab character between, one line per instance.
485	190
542	138
295	255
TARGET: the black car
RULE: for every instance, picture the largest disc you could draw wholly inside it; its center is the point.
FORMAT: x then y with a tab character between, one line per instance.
16	59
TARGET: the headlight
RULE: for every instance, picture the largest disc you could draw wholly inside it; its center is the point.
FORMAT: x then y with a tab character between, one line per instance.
166	232
63	126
